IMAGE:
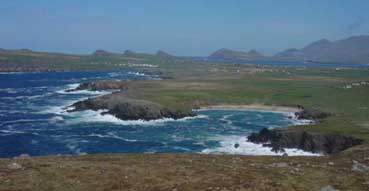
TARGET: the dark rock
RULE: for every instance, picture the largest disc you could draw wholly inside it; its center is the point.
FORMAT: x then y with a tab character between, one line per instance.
236	145
296	138
312	114
124	108
102	85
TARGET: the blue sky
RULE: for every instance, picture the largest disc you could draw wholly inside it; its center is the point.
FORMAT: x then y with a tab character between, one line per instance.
186	27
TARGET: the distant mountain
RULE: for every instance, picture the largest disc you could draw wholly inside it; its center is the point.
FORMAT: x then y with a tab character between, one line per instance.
228	54
129	53
164	55
351	50
101	53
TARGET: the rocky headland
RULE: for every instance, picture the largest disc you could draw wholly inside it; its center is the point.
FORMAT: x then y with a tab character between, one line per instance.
123	107
326	143
102	85
311	114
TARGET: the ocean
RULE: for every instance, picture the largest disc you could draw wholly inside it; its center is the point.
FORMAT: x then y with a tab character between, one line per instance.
34	121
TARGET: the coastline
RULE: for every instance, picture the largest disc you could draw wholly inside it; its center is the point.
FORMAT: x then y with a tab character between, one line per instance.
252	107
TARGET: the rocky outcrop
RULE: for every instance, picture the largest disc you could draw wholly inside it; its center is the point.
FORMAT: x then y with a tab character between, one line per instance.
102	85
311	114
326	143
125	108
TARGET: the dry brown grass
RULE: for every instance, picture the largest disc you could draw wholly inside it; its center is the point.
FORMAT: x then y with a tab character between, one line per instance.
185	172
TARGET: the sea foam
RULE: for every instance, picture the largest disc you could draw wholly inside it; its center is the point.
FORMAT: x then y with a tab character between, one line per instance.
227	146
89	116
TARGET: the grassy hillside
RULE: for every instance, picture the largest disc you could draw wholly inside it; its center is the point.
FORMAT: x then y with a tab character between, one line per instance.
27	60
187	172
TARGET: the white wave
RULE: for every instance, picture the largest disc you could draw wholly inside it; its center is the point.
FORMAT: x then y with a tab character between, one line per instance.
11	90
22	121
110	135
227	146
226	119
60	109
89	116
5	73
292	117
137	73
114	74
40	96
56	119
68	87
74	148
84	92
11	132
26	97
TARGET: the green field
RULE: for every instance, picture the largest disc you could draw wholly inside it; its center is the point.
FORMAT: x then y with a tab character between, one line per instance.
321	89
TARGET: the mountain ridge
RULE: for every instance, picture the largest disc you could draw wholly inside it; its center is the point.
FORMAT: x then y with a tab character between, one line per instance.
354	49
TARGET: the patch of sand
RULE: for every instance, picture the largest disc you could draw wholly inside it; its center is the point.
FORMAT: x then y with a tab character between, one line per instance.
252	107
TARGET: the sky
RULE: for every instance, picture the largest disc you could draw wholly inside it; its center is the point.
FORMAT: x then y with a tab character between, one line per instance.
180	27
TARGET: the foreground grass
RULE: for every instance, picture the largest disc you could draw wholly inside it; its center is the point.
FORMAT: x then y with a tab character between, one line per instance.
186	172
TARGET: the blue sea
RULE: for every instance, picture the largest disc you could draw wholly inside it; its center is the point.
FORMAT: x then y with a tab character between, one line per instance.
34	121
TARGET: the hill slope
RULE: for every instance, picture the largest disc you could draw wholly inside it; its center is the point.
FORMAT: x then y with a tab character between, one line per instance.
353	50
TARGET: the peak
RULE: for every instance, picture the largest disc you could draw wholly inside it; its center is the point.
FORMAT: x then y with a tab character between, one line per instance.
225	50
254	53
162	53
318	44
129	53
25	50
100	52
323	41
228	54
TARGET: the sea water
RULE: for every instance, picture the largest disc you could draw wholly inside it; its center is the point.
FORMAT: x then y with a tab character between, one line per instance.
34	121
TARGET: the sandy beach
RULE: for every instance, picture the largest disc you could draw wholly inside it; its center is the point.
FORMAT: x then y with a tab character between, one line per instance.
258	107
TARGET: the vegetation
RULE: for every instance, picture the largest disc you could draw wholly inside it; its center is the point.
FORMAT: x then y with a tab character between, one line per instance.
322	89
187	172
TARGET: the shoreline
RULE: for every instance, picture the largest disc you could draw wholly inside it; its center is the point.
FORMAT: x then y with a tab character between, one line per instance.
252	107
